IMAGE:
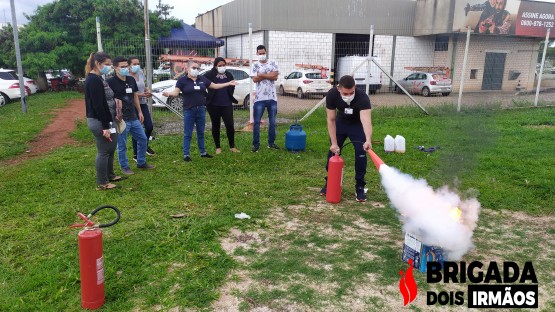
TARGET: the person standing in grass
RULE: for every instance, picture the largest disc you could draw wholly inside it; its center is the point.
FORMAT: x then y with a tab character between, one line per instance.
100	119
349	116
193	87
219	104
264	74
125	89
143	95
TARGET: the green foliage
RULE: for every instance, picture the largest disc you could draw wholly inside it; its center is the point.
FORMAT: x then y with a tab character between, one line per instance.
62	34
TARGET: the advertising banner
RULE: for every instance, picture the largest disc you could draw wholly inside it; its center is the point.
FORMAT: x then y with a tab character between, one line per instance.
504	17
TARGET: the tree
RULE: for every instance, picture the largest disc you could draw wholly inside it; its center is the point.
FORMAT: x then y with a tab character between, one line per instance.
62	34
164	9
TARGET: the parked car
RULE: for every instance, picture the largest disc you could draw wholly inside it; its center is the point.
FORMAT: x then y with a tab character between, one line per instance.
426	84
9	74
303	82
163	71
241	94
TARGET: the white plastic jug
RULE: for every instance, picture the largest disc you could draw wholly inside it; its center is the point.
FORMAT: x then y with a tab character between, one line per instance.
389	144
399	144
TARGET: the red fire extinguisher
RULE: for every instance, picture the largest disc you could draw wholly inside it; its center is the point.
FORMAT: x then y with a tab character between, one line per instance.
335	179
91	261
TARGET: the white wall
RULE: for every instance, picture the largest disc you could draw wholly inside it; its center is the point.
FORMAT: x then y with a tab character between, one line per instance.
290	48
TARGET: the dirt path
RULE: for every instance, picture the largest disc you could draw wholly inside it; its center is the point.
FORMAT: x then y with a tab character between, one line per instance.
56	134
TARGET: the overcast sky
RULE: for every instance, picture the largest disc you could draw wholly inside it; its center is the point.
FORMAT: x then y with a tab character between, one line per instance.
186	10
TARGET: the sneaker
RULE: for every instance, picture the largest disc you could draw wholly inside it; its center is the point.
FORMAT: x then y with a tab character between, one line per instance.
187	158
127	171
255	148
361	195
146	166
324	190
206	156
149	151
135	158
274	146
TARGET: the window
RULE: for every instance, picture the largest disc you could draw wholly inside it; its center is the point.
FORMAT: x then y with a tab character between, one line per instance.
442	43
313	76
238	74
412	76
473	73
9	75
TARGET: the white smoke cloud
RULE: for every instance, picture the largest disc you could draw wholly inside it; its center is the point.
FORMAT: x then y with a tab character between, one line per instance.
429	214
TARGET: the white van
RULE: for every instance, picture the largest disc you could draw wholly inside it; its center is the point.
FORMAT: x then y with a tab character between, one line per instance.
346	65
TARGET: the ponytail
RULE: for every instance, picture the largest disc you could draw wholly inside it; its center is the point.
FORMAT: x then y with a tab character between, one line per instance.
93	58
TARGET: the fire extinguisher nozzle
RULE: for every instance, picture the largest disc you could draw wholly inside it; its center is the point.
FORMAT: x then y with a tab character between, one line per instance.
377	161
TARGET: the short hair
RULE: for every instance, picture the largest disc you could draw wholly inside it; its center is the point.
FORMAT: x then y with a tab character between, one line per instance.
119	59
133	58
347	82
261	47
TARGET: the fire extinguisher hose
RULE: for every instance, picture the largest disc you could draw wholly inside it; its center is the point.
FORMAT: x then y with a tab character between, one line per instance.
106	207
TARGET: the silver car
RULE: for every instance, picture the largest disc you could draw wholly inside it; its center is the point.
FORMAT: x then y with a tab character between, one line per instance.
426	84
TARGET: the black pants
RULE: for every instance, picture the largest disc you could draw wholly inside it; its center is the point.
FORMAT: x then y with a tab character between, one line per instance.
217	113
149	127
355	132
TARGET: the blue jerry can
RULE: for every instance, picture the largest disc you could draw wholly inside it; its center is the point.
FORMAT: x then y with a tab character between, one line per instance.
295	138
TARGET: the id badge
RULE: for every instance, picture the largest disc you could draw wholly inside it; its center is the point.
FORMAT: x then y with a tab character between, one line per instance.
112	128
348	111
197	87
128	90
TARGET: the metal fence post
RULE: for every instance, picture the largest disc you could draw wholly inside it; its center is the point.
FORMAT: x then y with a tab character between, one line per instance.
369	61
251	98
463	71
541	66
18	60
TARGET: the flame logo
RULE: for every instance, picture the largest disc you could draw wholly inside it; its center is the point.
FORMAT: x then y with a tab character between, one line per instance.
407	285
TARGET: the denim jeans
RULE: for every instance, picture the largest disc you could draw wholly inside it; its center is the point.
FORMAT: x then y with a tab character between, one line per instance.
148	127
355	133
191	116
258	110
138	133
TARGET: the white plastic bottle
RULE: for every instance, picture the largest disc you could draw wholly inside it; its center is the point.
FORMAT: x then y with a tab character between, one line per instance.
399	144
389	144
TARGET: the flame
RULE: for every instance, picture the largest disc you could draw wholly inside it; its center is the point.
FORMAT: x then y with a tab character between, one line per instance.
456	214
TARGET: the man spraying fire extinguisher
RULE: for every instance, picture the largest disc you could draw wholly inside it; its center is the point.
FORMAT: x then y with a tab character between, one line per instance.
349	116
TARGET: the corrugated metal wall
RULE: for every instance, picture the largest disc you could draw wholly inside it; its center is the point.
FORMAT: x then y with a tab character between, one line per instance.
391	17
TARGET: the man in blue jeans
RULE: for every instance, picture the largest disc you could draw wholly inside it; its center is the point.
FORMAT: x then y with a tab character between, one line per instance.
125	90
264	73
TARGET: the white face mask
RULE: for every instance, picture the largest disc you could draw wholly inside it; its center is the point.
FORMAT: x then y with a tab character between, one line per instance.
193	72
221	70
262	58
348	99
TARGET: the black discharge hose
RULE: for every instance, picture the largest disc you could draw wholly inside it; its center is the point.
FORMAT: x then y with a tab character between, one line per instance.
118	214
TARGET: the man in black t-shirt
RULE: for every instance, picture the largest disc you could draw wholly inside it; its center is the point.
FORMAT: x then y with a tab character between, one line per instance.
349	116
125	89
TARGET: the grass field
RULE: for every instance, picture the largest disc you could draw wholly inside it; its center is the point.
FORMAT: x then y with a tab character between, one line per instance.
296	252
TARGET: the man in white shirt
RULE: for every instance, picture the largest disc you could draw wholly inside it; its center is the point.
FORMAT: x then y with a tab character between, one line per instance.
264	73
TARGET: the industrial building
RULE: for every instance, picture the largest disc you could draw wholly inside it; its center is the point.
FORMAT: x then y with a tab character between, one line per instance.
407	34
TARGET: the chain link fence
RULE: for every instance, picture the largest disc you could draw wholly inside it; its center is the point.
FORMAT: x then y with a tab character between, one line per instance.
501	71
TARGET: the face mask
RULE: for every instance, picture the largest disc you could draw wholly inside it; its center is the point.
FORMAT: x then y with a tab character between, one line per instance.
221	70
124	71
348	99
135	68
105	70
193	73
262	58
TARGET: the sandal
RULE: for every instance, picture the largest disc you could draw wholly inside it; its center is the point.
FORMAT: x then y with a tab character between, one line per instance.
117	178
107	186
234	150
